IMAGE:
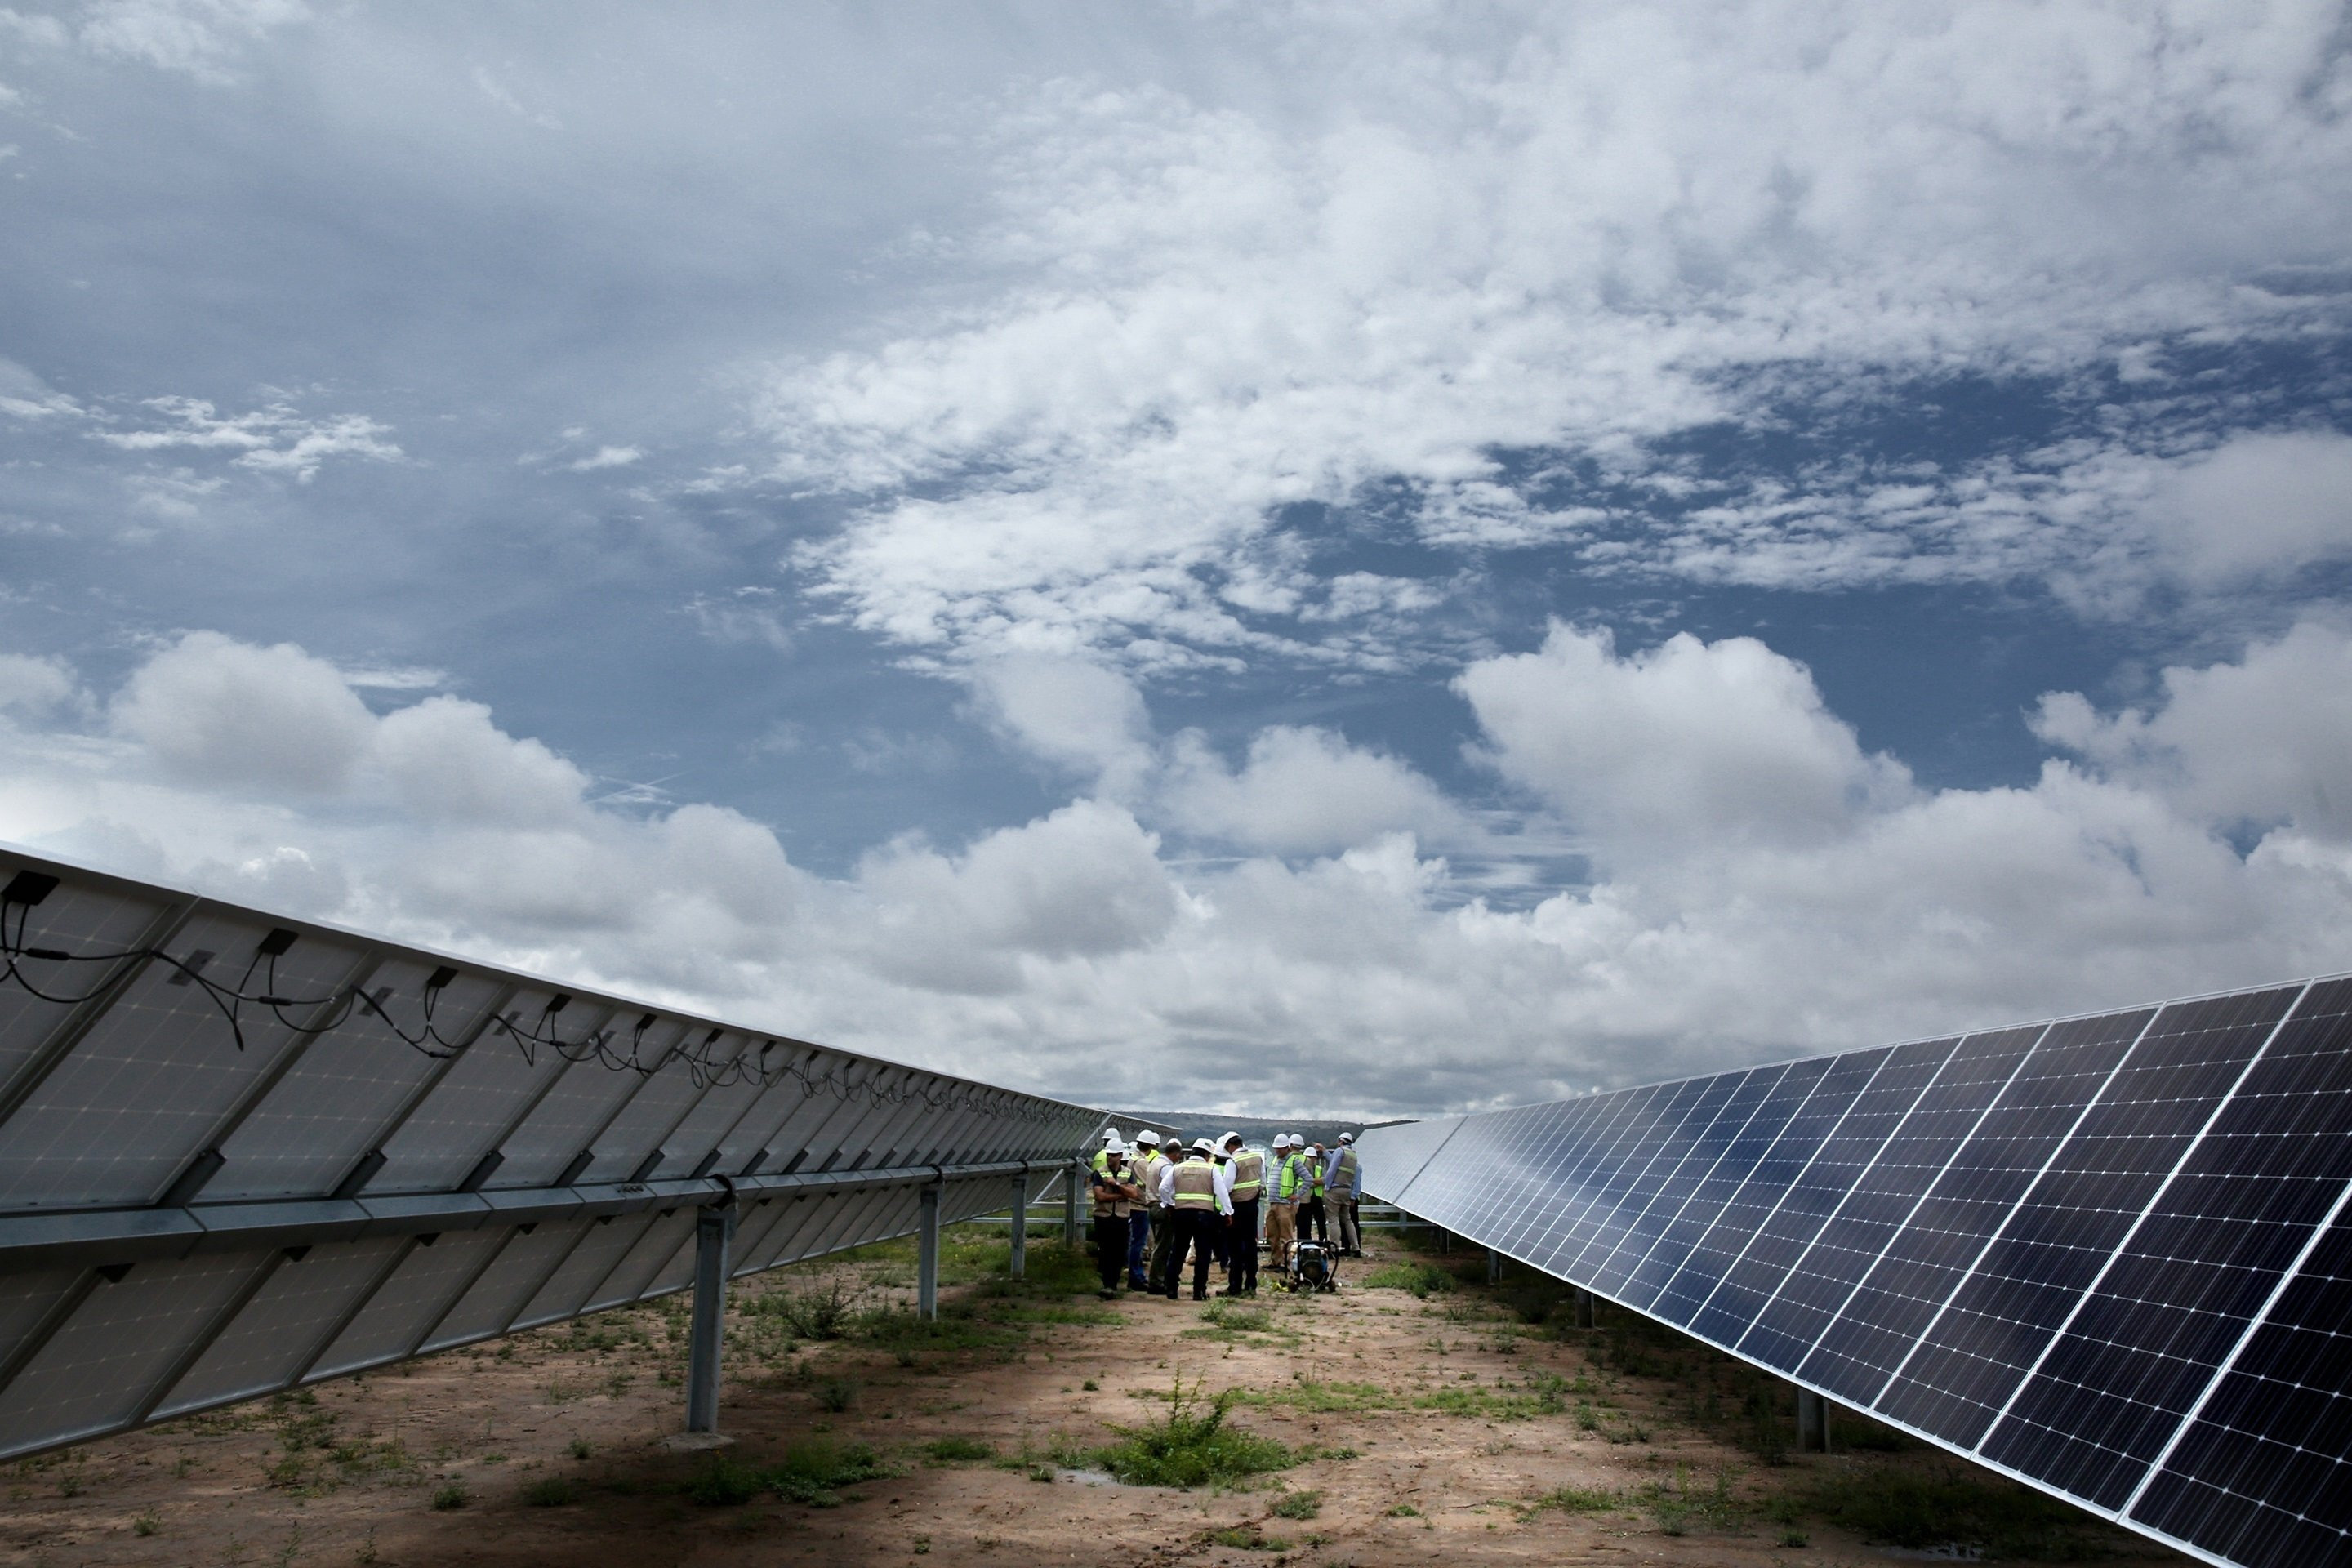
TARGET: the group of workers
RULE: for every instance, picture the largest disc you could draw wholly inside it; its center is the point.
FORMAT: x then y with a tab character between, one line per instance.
1158	1202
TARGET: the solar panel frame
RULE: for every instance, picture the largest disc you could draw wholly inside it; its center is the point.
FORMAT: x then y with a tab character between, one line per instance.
329	1199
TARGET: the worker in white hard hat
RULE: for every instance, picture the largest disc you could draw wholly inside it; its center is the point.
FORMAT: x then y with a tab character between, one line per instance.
1341	1187
1114	1192
1199	1205
1244	1186
1163	1218
1110	1141
1283	1189
1143	1166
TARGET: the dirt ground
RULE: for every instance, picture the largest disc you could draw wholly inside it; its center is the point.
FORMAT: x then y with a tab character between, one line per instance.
1446	1420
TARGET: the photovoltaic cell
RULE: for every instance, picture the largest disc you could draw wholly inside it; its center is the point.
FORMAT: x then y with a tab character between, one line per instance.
2111	1255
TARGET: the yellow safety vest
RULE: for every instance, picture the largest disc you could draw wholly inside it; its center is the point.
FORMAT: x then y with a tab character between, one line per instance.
1343	1176
1196	1185
1290	1177
1249	1177
1153	1163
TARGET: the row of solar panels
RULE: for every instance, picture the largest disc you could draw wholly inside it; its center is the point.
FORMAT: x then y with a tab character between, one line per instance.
2109	1256
239	1151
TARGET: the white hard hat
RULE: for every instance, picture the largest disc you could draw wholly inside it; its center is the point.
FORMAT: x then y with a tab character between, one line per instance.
1229	1139
1201	1146
1282	1140
1148	1138
1346	1138
1296	1141
1110	1135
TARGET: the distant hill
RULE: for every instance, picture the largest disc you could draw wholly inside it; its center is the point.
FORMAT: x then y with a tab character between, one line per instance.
1258	1131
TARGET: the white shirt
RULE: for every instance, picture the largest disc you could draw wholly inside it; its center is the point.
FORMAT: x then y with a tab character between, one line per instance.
1221	1183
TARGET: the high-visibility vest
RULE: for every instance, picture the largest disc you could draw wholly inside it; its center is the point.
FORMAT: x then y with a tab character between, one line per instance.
1343	1174
1111	1208
1249	1177
1289	1177
1101	1162
1196	1185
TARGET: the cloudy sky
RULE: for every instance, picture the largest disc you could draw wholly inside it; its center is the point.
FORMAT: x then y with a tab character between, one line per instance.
1274	556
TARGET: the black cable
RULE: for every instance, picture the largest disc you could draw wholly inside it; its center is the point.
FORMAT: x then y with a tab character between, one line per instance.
703	1066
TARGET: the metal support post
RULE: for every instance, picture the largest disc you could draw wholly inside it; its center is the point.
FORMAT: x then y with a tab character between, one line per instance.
714	1232
1020	1264
1812	1422
926	1256
1584	1305
1493	1267
1074	1185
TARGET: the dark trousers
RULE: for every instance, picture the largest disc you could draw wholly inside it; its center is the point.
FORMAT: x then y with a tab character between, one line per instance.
1139	1240
1196	1228
1110	1248
1240	1247
1163	1233
1310	1219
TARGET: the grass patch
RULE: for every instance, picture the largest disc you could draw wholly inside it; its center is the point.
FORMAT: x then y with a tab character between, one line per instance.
1238	1317
1572	1500
1923	1510
1248	1537
1299	1505
959	1452
449	1495
1423	1280
553	1491
1323	1398
823	1310
837	1394
1192	1446
809	1473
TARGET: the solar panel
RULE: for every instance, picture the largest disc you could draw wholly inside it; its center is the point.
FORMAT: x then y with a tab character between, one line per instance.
2109	1256
240	1153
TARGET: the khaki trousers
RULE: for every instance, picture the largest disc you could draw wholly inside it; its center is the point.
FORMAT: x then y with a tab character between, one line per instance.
1281	1230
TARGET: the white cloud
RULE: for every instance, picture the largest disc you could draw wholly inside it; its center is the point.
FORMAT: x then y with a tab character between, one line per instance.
35	687
202	38
272	439
1071	713
222	713
25	395
1585	229
2261	505
445	760
746	615
1722	743
2266	741
606	457
1806	904
1303	791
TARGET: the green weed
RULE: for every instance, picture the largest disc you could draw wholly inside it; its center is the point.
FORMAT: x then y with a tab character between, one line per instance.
1299	1505
959	1452
1192	1446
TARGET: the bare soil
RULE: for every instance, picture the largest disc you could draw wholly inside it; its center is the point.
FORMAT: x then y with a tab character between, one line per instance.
1444	1426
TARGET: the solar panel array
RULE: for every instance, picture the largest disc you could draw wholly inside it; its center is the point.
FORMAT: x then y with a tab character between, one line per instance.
240	1153
2110	1256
